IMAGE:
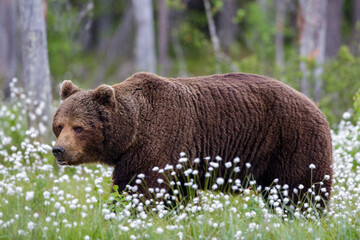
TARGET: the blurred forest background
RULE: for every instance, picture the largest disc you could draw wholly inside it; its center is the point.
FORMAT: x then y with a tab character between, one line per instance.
312	45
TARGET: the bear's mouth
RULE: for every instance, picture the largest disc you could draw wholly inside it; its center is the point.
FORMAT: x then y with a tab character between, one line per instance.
62	162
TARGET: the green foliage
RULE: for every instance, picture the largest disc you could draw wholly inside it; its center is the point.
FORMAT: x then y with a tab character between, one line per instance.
217	5
61	28
67	58
259	31
240	14
341	81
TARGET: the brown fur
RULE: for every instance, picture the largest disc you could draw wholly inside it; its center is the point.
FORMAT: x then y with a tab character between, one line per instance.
148	120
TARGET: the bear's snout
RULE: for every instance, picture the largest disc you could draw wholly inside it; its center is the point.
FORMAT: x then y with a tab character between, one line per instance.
58	152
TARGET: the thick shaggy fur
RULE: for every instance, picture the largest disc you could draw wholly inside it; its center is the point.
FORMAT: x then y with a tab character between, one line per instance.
148	120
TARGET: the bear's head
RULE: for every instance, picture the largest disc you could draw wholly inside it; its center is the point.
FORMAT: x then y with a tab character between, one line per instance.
92	126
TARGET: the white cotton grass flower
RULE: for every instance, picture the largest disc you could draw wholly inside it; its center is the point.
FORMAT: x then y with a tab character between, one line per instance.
182	154
312	166
107	217
31	225
19	189
62	209
29	195
220	181
346	116
134	188
46	194
168	167
159	230
214	164
218	158
97	181
155	169
197	160
236	160
248	165
183	160
21	232
141	176
187	172
228	165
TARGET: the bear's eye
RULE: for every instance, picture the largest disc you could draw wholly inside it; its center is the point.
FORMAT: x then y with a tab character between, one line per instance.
78	129
59	128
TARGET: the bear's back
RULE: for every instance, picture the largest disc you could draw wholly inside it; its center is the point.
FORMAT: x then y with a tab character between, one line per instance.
261	120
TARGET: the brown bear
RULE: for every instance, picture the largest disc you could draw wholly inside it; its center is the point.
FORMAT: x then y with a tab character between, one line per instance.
148	120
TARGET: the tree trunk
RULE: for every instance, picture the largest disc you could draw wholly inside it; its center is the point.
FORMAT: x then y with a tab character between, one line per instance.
8	41
163	36
212	29
177	18
144	42
279	35
103	22
333	30
227	28
35	63
356	28
117	45
312	43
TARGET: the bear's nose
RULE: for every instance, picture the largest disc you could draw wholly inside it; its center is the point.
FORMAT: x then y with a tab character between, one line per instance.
58	152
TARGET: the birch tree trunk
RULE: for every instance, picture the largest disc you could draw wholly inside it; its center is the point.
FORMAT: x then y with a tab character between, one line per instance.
226	26
163	36
145	37
220	56
117	45
35	63
8	43
279	35
312	43
212	29
333	30
177	18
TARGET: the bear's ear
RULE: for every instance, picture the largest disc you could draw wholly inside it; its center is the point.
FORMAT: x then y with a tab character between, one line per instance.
105	95
68	89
